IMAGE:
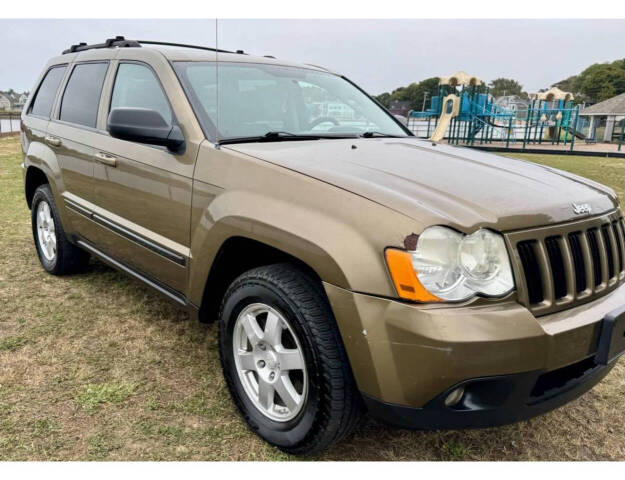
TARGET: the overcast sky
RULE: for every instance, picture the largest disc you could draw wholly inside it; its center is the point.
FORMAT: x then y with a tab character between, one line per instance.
379	55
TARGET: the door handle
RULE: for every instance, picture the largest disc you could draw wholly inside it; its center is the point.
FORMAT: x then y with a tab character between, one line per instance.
106	159
53	141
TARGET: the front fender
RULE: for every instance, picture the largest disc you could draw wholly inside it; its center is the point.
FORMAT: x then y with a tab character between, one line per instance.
341	236
213	232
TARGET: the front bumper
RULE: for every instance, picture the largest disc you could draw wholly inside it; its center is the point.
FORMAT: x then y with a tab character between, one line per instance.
407	358
496	400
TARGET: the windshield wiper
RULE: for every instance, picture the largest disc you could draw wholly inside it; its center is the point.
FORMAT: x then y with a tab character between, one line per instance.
277	136
371	134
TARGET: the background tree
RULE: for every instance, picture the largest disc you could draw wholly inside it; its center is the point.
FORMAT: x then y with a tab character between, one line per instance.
425	89
506	86
384	99
601	81
413	93
567	85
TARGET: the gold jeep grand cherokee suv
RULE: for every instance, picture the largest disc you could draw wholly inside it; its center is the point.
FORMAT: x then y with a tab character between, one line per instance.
351	266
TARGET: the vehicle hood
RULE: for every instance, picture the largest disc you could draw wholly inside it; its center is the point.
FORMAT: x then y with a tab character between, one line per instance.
441	184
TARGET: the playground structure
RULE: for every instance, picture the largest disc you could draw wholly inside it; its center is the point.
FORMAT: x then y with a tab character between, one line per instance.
465	113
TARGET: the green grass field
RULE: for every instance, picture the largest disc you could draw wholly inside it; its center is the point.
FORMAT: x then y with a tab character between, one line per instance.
98	367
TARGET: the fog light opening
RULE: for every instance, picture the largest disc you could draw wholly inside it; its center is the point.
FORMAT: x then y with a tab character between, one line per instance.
454	397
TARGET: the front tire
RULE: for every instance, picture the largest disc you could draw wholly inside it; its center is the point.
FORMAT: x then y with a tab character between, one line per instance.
56	254
284	361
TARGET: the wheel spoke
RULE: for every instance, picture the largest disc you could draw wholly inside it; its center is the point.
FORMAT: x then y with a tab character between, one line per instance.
49	249
252	329
273	329
265	394
290	359
246	360
287	392
42	217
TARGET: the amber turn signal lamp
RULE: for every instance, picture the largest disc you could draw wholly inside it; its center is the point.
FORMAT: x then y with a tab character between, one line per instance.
405	278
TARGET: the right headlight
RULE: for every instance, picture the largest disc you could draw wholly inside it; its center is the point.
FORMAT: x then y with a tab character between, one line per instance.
449	266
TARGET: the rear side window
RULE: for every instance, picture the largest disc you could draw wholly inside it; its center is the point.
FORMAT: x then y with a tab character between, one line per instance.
82	94
136	86
42	104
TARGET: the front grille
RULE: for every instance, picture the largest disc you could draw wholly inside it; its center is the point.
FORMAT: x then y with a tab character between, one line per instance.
566	265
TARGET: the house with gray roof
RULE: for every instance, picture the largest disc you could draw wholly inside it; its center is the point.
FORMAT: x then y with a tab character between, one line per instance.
609	113
5	103
12	100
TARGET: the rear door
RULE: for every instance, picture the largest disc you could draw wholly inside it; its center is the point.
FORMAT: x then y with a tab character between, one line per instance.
39	110
71	134
143	192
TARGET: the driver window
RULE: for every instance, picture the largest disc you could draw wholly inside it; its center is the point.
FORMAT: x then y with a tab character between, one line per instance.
136	86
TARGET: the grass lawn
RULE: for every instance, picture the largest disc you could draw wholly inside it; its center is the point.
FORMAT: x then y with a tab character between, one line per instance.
609	171
97	366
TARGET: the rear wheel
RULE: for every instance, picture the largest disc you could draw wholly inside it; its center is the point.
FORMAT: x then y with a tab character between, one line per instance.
56	254
284	361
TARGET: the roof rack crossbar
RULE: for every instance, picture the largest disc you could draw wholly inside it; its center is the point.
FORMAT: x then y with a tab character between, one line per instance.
118	41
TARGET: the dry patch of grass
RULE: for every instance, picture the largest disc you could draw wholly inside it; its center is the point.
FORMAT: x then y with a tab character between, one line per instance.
97	366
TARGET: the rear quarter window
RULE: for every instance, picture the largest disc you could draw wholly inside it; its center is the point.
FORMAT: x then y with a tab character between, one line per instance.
44	98
82	94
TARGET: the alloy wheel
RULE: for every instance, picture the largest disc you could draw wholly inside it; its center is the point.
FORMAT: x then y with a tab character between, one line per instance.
270	362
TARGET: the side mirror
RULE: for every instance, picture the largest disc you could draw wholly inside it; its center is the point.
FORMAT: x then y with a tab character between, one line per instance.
143	125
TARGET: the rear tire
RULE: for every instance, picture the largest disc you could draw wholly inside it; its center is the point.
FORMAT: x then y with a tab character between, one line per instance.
56	254
330	404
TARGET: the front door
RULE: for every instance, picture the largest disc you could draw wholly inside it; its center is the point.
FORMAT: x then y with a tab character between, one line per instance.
143	192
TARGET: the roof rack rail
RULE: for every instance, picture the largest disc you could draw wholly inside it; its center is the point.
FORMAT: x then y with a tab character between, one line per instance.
118	41
186	45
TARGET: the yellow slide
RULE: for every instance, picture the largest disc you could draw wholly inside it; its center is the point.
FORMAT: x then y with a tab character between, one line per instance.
451	108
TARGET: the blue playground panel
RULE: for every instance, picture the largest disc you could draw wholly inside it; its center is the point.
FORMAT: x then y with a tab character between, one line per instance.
478	114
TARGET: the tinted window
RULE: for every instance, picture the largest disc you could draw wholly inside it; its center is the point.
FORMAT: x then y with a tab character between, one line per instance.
82	94
42	104
136	86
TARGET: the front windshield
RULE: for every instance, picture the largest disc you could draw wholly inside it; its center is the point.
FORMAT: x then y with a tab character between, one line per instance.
255	99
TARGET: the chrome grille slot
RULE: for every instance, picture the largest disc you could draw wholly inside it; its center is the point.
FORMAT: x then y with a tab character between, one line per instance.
566	265
619	245
532	271
556	263
591	235
609	246
578	262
